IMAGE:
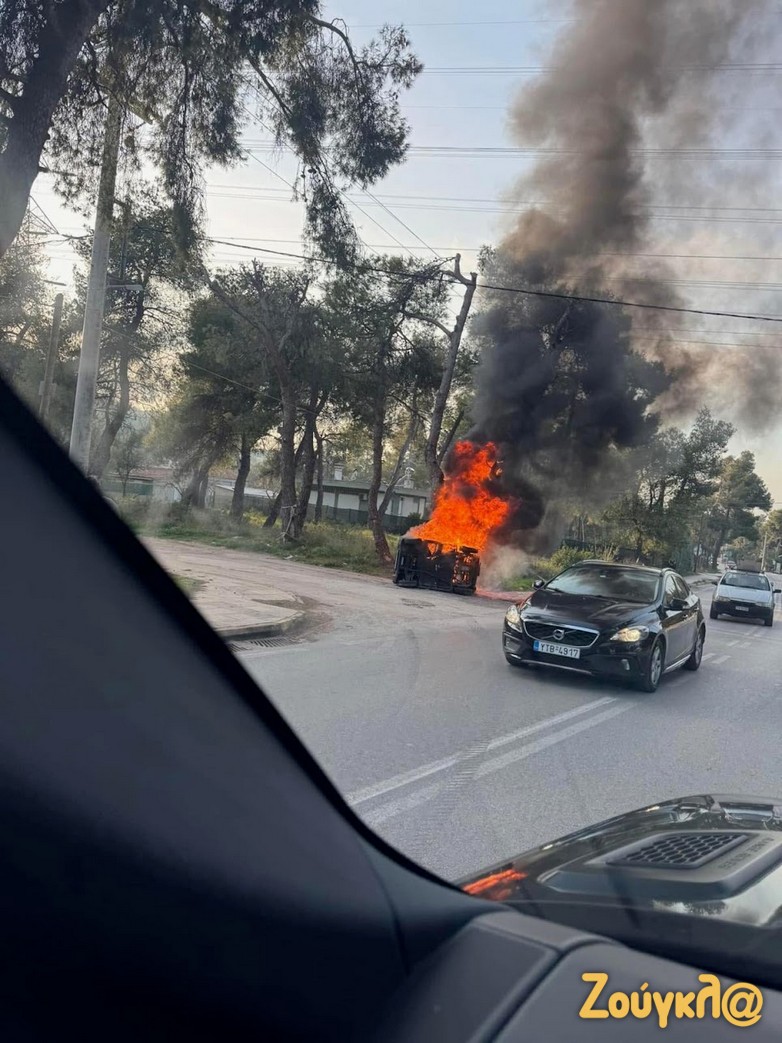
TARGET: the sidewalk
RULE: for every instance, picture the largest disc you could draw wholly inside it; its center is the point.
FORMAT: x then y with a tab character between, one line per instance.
234	603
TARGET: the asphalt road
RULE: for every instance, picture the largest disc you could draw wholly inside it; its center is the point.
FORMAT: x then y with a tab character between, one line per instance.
460	760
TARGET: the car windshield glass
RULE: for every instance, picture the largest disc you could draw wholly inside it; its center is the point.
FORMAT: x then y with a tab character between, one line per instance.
623	584
381	325
743	579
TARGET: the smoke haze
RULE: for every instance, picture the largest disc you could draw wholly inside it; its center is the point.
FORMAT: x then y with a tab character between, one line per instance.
564	385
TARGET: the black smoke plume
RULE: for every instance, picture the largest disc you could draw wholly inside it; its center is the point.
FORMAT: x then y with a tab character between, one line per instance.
565	385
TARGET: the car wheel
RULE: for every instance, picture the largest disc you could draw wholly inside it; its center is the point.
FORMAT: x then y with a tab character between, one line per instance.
653	669
697	652
769	620
713	613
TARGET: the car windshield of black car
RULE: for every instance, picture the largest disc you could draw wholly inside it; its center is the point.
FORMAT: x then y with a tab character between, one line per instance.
621	584
743	579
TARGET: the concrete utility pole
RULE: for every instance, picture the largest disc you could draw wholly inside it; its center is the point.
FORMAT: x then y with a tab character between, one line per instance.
81	430
51	360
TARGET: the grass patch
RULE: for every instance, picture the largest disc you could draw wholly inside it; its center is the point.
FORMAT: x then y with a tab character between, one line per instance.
547	568
324	543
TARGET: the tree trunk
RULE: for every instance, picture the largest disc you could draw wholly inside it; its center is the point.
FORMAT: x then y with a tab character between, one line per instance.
101	454
396	474
288	463
203	488
374	517
307	478
61	39
274	512
432	454
237	500
193	488
319	474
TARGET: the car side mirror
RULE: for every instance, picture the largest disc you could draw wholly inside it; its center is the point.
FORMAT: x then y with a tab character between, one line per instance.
539	583
716	582
778	590
677	604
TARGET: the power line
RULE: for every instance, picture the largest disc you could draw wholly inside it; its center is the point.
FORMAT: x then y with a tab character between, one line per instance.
426	246
513	70
479	246
343	194
525	202
526	292
522	151
428	25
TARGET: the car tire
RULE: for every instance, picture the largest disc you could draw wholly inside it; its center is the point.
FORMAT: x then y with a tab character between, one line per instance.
696	656
713	613
769	620
653	668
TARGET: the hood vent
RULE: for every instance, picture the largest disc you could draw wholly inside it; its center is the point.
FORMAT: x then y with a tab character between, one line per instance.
678	850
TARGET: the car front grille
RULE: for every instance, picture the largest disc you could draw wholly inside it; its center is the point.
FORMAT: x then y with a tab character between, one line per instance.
564	635
680	850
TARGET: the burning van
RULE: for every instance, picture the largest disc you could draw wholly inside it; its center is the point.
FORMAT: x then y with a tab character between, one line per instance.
435	566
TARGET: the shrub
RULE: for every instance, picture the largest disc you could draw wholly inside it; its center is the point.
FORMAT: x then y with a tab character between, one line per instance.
560	560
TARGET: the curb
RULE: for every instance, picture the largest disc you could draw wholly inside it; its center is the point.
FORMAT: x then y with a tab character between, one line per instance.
258	629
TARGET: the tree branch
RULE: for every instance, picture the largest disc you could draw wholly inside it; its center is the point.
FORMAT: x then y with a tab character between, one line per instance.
332	28
427	319
442	452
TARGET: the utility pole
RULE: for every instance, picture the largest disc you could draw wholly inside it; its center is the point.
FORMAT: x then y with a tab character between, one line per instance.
81	429
51	360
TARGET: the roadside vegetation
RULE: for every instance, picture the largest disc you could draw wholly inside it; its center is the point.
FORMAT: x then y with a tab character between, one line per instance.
321	543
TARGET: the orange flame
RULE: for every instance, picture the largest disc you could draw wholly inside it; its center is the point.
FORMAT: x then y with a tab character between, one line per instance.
466	512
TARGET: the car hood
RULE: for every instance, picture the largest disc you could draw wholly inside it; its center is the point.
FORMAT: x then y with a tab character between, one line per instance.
550	606
752	597
642	860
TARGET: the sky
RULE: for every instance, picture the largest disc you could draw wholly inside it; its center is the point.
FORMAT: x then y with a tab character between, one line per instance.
440	202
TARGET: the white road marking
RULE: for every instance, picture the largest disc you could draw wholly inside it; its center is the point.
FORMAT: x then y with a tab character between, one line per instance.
721	659
709	655
421	796
730	644
405	778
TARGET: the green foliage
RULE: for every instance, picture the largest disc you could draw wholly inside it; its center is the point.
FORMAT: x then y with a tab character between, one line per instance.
325	543
560	560
547	568
197	71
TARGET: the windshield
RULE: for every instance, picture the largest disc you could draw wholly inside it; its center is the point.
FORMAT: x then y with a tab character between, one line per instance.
611	582
745	579
366	318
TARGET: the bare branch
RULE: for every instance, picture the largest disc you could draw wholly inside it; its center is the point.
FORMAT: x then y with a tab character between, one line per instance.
333	28
457	272
449	437
427	319
270	87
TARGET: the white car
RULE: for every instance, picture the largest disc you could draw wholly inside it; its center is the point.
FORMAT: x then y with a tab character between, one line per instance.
747	594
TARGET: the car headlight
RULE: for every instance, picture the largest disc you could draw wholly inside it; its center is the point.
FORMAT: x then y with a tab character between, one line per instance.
630	635
721	597
513	617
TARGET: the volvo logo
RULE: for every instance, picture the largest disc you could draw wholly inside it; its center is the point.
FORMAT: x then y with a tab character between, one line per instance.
558	635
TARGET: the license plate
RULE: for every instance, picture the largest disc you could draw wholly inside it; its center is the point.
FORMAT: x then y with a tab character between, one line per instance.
742	608
552	649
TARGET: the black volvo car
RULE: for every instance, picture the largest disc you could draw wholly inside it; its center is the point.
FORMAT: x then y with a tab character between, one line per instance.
629	622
